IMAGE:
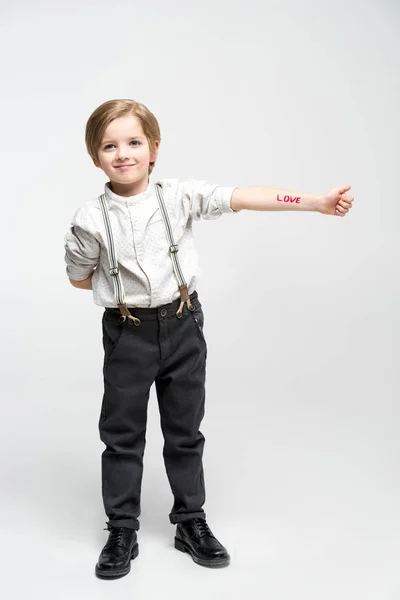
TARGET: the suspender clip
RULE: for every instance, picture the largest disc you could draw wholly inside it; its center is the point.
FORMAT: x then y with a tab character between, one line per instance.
114	271
174	248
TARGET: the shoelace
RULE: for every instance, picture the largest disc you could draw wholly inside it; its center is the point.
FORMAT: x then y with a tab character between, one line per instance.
116	536
202	527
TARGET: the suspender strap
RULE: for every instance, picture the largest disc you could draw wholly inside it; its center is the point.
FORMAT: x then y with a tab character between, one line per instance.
173	251
119	292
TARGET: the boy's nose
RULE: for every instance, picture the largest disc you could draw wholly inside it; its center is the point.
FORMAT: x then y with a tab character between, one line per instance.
123	152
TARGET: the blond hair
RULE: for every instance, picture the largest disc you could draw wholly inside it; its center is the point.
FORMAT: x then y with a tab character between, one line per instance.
112	109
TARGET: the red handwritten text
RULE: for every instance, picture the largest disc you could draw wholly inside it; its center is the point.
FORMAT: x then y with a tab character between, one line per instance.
288	199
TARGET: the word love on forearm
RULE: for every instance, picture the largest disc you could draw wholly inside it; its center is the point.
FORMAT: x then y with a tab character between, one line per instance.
289	199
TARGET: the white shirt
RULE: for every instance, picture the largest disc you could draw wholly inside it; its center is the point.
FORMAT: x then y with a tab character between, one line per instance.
140	240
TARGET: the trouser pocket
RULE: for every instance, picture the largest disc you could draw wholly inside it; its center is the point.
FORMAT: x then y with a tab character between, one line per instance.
198	318
112	332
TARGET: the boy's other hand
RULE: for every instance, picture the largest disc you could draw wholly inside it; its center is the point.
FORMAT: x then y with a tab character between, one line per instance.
83	284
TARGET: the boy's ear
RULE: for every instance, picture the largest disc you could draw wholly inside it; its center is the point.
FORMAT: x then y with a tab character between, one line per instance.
153	155
96	162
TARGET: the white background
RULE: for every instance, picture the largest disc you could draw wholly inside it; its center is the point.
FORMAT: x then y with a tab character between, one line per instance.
301	309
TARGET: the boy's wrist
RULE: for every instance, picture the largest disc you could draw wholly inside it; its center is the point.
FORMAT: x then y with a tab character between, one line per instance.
318	202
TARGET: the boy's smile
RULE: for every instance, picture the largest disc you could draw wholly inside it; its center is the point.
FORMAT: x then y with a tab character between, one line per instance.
124	156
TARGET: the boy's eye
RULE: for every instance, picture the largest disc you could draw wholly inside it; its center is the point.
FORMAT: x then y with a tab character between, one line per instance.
132	141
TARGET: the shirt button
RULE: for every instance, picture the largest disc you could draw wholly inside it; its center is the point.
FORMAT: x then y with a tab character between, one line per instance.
163	312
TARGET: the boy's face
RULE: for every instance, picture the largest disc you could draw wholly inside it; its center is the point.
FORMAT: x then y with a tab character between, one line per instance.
124	143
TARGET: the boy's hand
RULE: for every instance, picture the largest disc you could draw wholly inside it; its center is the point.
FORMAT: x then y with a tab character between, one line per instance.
337	202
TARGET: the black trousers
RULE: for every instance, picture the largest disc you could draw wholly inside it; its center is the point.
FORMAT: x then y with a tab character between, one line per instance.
172	353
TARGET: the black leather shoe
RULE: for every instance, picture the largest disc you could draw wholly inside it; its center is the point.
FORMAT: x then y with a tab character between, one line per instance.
120	549
195	537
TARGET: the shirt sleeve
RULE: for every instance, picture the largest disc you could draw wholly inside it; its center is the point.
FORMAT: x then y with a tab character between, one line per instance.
82	249
203	199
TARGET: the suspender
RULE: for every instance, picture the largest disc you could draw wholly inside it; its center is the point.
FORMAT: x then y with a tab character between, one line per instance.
119	292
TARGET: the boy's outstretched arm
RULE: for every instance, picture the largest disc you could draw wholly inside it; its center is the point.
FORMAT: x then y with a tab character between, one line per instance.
337	202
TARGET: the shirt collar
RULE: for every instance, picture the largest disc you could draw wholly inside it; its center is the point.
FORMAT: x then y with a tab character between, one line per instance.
129	199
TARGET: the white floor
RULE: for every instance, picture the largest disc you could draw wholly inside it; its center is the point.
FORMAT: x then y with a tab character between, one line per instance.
341	550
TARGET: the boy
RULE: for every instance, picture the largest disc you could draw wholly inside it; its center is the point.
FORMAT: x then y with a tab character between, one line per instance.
156	335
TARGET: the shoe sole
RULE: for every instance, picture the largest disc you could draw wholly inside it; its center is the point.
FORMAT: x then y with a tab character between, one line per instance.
114	574
214	563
